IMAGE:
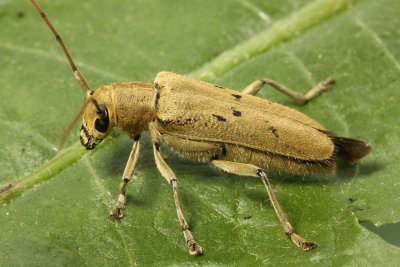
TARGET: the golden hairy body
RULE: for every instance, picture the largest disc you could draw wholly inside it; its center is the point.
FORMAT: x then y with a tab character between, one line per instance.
236	132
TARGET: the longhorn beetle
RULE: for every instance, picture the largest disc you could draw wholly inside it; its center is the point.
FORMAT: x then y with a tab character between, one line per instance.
237	132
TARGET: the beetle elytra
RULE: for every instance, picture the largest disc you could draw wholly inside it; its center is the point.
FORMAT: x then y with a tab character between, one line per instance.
234	131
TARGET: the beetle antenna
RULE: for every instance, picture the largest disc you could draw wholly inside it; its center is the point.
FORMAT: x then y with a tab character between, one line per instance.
78	75
74	120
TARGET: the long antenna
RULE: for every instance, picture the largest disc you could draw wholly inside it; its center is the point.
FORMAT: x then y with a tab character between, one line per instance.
79	77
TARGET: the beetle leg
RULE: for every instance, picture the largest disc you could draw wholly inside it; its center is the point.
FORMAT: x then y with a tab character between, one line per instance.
301	99
167	173
252	170
130	166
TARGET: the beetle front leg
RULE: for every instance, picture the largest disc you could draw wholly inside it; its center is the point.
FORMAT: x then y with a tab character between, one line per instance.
252	170
167	173
301	99
130	166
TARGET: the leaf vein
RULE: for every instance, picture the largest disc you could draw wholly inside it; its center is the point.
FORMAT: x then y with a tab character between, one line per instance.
279	32
378	42
260	13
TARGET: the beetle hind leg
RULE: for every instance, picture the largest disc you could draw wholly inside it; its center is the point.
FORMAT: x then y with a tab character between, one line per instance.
252	170
168	174
253	88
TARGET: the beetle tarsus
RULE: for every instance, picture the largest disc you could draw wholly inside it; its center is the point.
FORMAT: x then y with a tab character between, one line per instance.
194	248
117	213
306	246
301	242
326	85
320	88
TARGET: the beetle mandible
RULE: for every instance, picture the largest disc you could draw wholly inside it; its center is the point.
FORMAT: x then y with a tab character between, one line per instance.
237	132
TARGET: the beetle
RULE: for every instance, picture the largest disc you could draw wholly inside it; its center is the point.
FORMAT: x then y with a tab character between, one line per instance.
234	131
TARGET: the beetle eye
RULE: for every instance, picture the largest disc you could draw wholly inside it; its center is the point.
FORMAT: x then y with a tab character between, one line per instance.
101	124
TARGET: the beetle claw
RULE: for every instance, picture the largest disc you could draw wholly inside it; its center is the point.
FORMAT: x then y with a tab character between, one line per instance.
194	248
117	213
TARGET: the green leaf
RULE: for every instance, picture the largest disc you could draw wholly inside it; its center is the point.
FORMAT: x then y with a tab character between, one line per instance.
55	208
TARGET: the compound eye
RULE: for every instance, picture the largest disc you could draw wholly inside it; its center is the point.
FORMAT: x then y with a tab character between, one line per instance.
101	124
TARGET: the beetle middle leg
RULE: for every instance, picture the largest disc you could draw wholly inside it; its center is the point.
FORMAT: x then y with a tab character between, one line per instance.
117	212
168	174
320	88
252	170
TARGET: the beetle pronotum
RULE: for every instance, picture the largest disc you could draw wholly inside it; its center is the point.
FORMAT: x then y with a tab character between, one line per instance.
237	132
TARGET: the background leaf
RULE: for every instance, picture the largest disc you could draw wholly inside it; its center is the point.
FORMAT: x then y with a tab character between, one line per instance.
63	218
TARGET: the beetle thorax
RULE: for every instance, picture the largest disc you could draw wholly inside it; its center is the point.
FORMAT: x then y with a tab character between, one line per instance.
134	106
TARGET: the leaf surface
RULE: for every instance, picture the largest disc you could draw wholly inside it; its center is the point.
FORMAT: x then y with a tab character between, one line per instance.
55	208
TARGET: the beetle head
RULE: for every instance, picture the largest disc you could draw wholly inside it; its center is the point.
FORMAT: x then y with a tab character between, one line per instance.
96	123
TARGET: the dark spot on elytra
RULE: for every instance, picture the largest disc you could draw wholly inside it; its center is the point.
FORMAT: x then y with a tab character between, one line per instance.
183	121
247	217
273	131
189	120
177	121
220	118
220	87
237	97
236	113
